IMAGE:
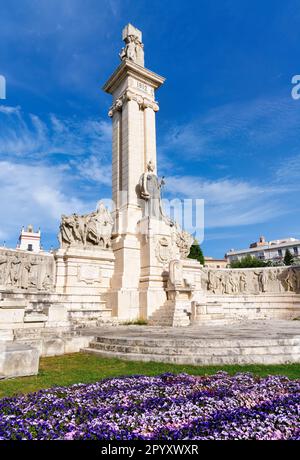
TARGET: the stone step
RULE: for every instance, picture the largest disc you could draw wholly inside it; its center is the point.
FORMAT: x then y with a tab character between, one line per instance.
200	359
214	351
160	323
161	316
13	303
198	343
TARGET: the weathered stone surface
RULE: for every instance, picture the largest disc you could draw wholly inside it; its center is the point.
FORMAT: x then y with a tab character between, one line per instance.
91	231
18	359
26	271
265	342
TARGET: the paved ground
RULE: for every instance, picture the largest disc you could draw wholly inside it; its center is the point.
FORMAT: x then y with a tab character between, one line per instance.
258	329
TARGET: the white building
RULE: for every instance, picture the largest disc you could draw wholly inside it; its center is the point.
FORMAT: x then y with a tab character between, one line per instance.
267	250
29	240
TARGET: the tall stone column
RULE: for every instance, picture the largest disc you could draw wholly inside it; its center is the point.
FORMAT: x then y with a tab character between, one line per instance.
133	119
150	108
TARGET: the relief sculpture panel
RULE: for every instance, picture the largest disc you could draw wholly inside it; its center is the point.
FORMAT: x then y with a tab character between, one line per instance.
251	281
25	270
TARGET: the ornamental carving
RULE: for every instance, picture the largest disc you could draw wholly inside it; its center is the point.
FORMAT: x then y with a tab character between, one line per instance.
25	270
129	95
184	241
163	250
89	274
87	231
252	281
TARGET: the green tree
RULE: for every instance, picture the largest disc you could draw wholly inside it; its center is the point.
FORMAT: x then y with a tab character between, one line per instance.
288	258
248	262
196	252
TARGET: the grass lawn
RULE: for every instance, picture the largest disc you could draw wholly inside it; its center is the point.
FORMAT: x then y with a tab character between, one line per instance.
84	368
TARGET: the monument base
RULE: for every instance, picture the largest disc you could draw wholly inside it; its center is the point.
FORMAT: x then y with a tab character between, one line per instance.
83	278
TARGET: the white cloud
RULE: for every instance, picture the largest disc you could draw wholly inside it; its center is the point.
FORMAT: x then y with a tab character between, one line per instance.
252	124
93	169
64	157
289	170
228	202
30	135
37	195
7	110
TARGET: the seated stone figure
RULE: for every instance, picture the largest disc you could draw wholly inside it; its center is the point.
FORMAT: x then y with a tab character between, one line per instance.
150	191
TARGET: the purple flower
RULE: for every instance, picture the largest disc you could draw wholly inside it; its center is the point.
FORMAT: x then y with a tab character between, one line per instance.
163	407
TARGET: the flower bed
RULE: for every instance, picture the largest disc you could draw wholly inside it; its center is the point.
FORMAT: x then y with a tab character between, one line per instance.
163	407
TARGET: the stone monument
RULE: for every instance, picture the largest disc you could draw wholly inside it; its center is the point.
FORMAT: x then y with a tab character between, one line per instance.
128	263
84	263
144	240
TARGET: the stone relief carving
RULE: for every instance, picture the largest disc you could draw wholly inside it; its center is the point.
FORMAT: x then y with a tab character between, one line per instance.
184	241
143	102
252	281
134	48
176	277
25	270
150	194
163	250
87	231
89	274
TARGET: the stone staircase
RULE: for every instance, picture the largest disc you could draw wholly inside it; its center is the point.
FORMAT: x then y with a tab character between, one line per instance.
185	350
163	316
168	315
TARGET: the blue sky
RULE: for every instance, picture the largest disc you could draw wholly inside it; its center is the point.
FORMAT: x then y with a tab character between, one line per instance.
227	129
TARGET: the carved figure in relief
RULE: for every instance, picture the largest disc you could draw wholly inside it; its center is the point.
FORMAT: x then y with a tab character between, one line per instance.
92	229
297	272
243	282
184	241
262	279
233	283
212	282
224	284
290	280
23	271
3	264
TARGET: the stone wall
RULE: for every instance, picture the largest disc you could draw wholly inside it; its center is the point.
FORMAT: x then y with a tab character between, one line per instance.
58	290
25	271
251	293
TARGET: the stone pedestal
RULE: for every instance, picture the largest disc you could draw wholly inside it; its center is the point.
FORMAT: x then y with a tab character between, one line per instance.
158	247
181	299
83	277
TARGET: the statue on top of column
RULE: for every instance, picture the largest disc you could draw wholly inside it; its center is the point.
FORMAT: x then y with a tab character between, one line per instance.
134	48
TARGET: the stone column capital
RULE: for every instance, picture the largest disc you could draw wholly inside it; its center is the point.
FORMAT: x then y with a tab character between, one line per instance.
131	96
147	103
117	106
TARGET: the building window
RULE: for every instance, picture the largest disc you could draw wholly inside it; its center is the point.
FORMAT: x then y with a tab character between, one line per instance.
280	252
296	250
30	248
